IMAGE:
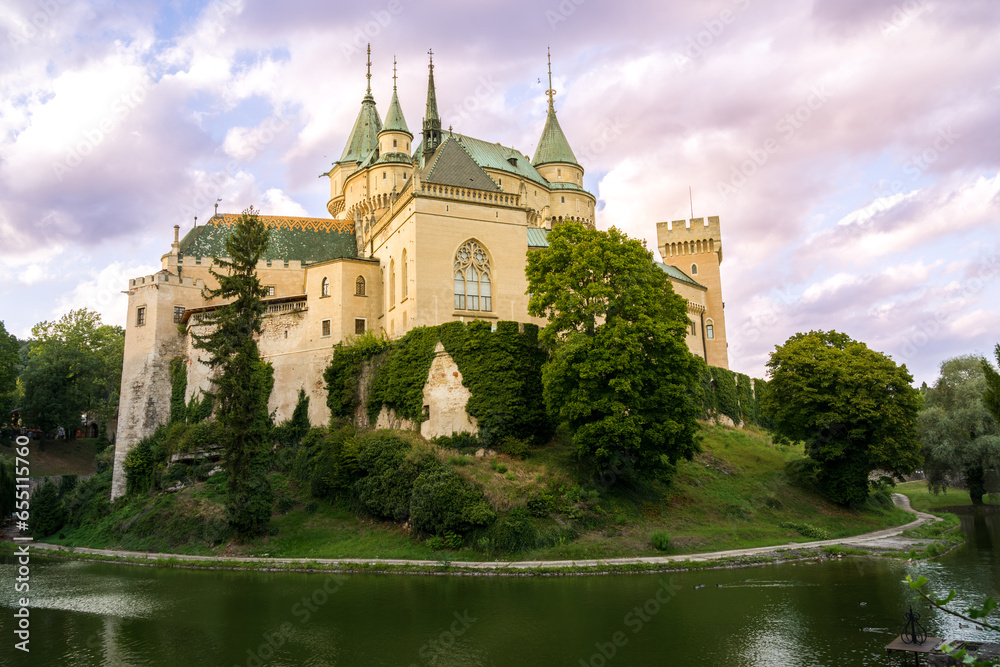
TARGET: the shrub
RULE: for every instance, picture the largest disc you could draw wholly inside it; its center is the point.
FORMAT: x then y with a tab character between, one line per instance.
512	533
443	502
660	539
514	448
198	436
387	473
806	530
67	484
540	505
48	514
459	441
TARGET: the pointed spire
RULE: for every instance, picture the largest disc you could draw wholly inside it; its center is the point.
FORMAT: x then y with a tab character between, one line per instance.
553	146
368	93
394	120
364	137
432	123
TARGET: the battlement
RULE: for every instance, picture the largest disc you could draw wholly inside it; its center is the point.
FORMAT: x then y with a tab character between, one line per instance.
165	278
689	237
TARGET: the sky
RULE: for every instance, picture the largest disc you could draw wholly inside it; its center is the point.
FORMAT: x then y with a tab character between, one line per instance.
850	147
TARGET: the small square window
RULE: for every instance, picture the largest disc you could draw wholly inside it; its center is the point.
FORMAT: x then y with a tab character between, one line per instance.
197	260
140	316
178	313
326	329
268	290
359	326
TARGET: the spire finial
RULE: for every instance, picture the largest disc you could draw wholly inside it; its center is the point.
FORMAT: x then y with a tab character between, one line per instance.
394	73
369	75
551	91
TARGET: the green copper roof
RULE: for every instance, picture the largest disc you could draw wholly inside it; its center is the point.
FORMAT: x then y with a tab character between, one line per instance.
364	137
553	146
394	121
501	158
677	274
303	239
538	237
452	165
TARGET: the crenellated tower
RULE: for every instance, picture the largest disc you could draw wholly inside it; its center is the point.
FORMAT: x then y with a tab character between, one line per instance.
695	247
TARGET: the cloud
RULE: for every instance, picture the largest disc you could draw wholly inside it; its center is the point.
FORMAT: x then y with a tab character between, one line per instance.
103	292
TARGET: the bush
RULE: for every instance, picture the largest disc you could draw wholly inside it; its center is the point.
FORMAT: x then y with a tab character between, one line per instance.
806	530
803	473
443	502
388	473
66	484
512	533
48	514
458	441
515	448
660	539
541	505
197	436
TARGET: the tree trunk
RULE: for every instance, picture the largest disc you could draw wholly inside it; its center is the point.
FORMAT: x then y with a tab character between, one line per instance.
975	479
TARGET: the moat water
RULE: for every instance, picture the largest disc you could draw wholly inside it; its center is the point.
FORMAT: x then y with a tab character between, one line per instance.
787	614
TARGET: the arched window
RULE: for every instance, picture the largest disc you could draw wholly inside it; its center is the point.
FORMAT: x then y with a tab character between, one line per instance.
403	274
359	286
392	282
709	331
473	278
694	269
325	291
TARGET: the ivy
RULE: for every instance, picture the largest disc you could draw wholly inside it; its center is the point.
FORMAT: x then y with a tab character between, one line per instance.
399	381
732	394
344	371
178	386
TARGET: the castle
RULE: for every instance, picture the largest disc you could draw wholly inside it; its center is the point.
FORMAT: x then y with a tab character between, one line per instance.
416	236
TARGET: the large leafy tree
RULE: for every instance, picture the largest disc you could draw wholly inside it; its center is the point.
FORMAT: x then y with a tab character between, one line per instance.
959	433
619	373
991	395
853	407
74	366
9	370
242	380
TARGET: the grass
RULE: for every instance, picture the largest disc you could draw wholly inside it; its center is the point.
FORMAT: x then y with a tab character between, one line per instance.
922	499
734	495
59	457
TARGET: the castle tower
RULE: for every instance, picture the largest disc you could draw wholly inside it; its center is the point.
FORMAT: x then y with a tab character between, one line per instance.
554	159
395	136
695	247
432	122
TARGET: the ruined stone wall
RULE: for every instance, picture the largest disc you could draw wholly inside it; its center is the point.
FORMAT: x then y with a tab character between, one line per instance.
445	398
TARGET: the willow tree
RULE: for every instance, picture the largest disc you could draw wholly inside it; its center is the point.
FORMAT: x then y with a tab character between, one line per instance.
959	433
242	380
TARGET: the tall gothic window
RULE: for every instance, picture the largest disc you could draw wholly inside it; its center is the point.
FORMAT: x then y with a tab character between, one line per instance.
473	283
403	274
359	286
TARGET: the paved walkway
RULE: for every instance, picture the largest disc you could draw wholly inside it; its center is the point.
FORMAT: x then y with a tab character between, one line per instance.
888	539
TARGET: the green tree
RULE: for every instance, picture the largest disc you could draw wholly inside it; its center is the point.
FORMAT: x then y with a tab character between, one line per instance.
991	396
619	373
48	513
853	407
9	370
243	382
959	433
74	366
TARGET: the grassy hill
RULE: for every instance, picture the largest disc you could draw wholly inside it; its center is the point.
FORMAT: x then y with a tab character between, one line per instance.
734	494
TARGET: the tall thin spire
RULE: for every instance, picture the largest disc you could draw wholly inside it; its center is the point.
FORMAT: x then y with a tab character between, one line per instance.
551	91
432	122
368	93
364	137
552	146
394	121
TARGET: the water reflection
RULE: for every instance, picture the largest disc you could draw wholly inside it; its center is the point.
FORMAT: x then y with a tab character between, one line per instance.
801	614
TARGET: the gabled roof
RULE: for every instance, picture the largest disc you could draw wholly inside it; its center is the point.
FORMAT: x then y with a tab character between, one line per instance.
304	239
677	274
452	165
553	146
494	156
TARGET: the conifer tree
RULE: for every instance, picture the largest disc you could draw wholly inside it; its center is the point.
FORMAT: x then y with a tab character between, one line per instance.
242	381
